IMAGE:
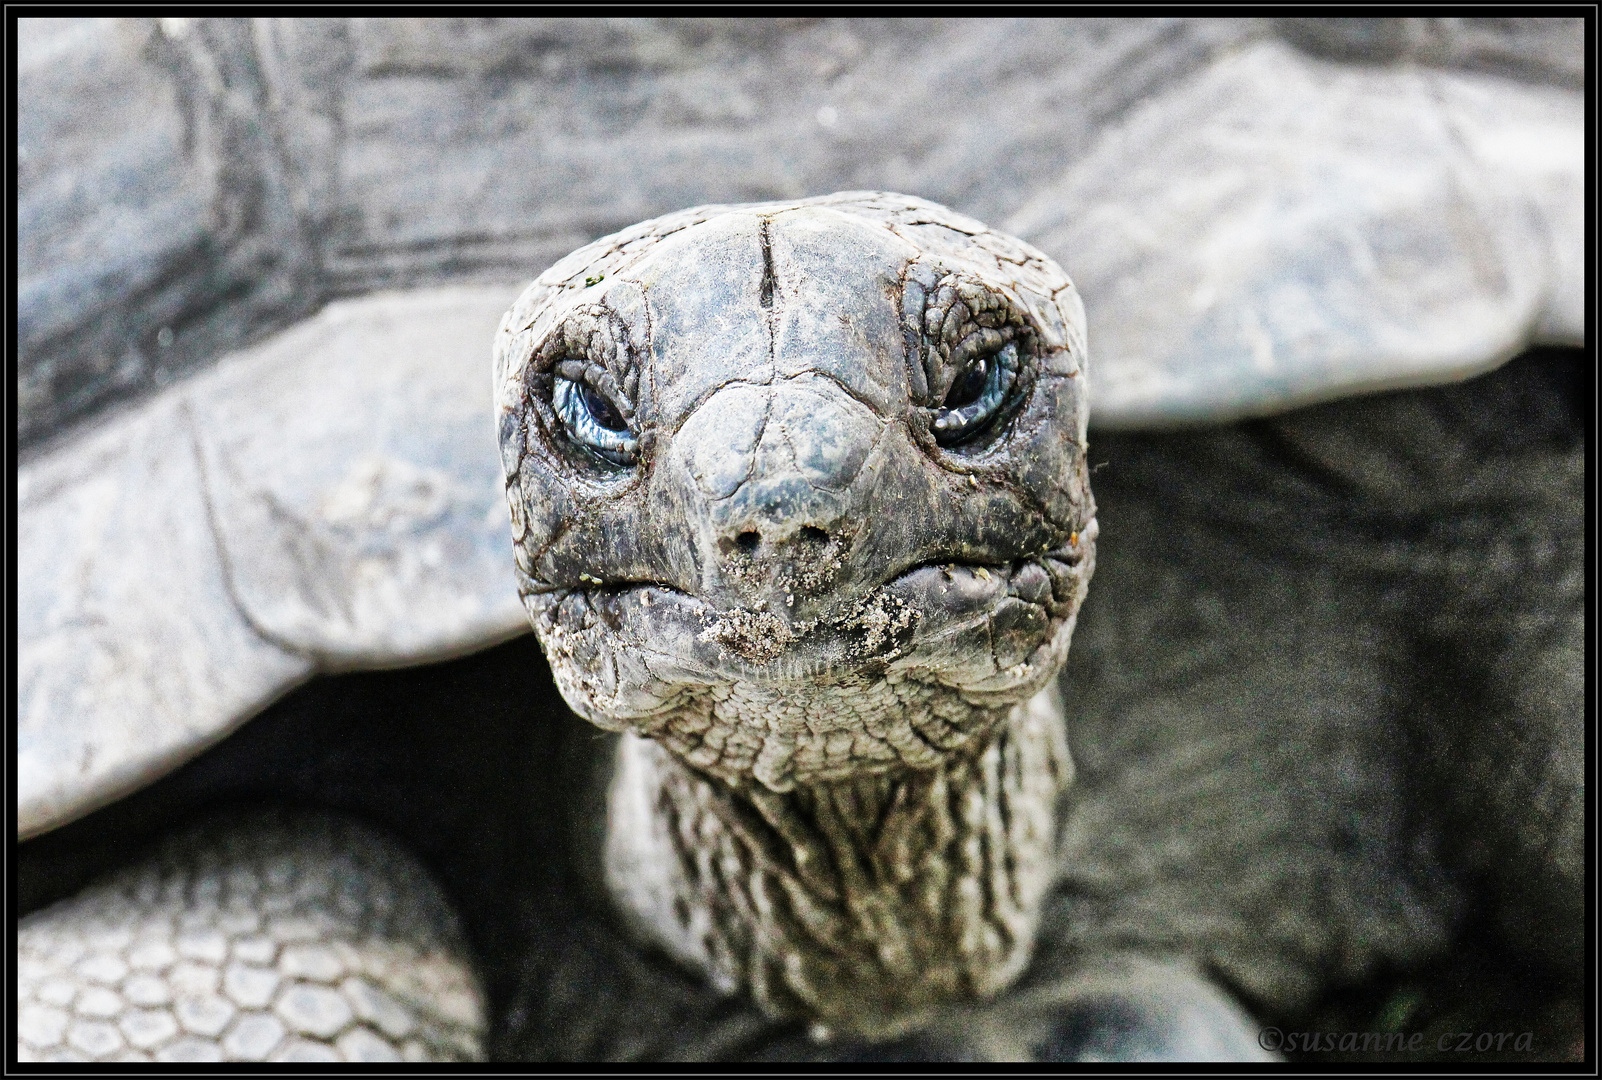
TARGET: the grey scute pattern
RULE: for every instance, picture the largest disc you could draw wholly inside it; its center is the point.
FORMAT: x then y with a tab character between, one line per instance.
380	534
267	936
186	185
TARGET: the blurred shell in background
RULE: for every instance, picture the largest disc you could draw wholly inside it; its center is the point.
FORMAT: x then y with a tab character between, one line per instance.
1258	214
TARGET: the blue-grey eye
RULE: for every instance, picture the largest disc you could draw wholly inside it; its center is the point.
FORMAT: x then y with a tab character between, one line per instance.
594	422
976	395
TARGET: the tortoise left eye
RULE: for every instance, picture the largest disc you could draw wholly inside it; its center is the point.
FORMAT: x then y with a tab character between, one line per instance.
602	411
594	422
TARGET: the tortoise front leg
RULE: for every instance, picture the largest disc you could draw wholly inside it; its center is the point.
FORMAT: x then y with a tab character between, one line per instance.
263	936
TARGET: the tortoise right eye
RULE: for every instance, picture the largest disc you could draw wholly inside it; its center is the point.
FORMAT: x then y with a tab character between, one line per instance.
968	385
978	394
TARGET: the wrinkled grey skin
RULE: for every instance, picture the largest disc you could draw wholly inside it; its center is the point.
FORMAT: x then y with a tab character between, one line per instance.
795	581
823	591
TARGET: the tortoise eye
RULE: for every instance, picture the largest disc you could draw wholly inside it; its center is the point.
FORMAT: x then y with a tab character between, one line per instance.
602	411
594	422
977	395
969	384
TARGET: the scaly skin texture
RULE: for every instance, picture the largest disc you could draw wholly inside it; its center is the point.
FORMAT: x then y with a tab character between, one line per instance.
863	902
274	936
817	584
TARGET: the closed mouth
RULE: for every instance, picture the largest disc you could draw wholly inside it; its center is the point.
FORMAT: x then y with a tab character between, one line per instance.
925	602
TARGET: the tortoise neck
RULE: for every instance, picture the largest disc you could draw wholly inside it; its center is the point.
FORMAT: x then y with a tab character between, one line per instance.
858	904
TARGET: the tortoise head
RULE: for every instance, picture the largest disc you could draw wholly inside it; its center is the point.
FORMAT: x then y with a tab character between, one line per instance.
799	489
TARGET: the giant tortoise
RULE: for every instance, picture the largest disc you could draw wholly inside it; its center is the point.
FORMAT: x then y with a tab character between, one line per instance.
800	501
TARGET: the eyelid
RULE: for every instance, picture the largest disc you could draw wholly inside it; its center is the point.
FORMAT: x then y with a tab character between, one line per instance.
598	378
982	342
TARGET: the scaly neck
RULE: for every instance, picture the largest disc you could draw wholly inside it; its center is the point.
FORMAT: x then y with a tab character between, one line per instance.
858	904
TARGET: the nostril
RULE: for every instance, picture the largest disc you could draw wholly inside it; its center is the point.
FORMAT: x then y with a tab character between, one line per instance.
813	535
748	541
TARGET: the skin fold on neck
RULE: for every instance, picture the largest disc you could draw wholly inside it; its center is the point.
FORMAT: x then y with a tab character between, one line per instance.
859	904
